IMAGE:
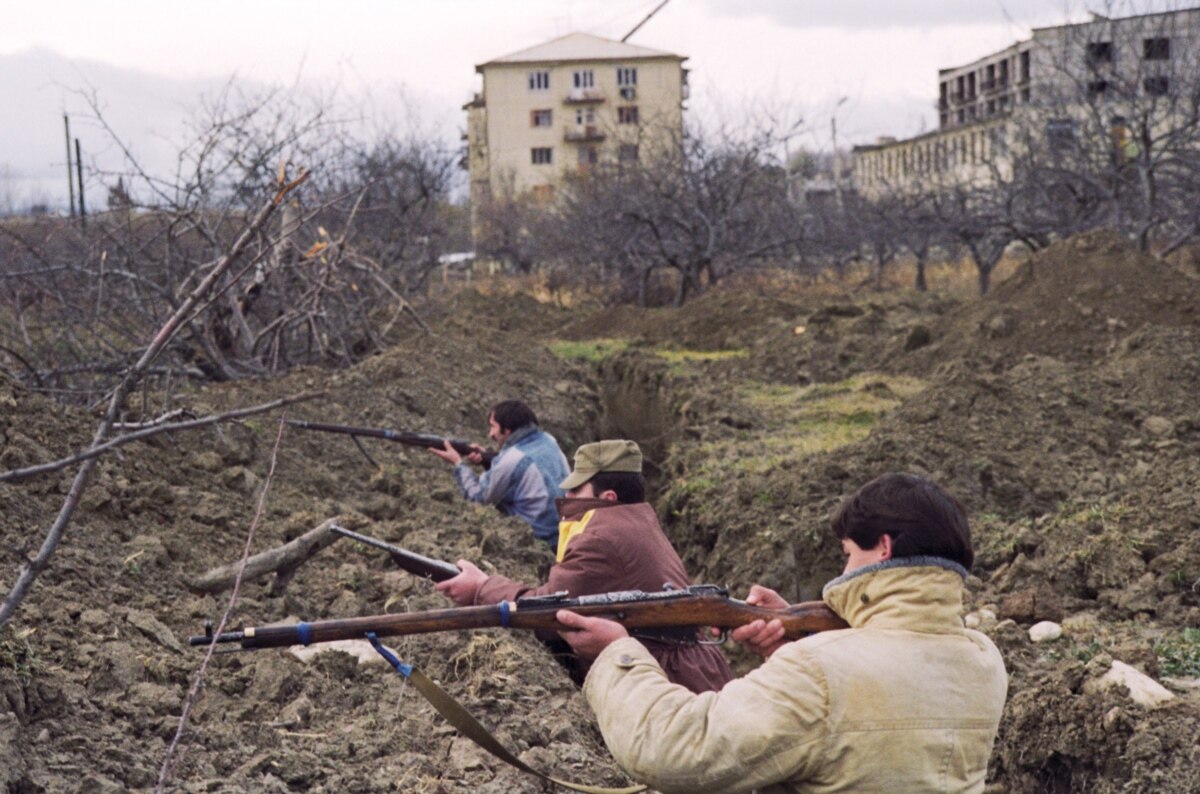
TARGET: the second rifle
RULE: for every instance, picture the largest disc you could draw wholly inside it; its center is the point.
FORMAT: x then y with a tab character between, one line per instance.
437	570
427	440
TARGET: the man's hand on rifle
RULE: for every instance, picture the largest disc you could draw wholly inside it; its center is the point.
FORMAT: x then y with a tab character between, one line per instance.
463	588
589	636
762	636
452	456
449	454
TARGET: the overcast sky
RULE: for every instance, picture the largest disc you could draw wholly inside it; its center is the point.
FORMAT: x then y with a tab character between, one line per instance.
148	62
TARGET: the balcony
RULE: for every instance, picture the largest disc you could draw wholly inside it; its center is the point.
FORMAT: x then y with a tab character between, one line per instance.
583	133
584	96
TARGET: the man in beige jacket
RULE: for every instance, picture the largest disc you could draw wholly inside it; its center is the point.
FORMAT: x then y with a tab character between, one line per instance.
905	700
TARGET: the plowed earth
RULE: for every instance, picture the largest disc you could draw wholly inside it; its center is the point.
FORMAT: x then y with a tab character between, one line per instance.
1061	409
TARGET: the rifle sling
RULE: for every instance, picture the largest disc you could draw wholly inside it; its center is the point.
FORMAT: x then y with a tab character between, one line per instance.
458	716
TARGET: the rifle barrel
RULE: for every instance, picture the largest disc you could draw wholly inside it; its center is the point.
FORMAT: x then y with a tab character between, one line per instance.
407	437
437	570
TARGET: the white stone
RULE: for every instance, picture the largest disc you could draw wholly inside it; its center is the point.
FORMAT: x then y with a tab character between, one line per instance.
359	649
972	620
1045	631
1143	689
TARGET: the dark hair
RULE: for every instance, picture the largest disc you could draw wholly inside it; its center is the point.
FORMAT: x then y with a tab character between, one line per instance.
922	519
629	486
513	415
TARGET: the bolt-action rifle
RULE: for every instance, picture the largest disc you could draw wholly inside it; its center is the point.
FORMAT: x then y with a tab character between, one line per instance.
687	609
411	439
437	570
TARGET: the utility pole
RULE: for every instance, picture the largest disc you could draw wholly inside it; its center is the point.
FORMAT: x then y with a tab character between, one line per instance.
70	173
837	157
79	173
645	20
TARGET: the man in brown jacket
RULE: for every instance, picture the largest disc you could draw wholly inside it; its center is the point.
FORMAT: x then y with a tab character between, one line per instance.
609	539
906	699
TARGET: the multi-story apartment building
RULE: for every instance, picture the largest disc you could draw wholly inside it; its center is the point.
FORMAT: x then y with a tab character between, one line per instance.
1052	81
566	105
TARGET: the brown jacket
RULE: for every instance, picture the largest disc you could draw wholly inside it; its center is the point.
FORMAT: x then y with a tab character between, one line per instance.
611	546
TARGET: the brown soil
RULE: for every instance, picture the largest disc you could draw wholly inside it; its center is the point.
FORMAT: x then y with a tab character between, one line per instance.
1060	409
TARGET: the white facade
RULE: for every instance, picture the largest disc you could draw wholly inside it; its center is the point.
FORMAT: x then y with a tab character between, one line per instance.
1055	78
566	105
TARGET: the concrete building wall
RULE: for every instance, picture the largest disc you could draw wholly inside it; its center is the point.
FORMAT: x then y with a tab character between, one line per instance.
1056	77
538	121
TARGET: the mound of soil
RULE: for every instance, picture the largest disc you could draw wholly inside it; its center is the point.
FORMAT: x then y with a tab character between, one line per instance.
1060	409
1074	301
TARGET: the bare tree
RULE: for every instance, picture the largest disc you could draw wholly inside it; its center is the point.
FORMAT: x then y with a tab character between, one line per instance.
363	238
706	207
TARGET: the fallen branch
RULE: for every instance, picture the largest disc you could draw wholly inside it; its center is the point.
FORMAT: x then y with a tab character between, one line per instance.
153	430
282	561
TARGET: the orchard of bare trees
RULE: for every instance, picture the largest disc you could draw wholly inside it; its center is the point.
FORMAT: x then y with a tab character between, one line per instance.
324	279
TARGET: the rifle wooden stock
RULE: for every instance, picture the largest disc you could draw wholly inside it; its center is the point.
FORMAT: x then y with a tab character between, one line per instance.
696	607
437	570
406	437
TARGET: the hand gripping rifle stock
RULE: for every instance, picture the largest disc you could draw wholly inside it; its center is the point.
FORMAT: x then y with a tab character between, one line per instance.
695	607
437	570
406	437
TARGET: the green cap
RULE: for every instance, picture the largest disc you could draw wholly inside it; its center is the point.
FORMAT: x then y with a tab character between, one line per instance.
613	455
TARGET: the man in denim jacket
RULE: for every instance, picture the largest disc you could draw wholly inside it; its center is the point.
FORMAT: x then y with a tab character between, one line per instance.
524	476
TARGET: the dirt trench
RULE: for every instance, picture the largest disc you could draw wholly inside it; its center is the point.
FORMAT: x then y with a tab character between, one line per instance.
1061	410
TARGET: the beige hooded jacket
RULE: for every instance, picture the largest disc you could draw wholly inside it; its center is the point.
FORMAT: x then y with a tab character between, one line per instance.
906	700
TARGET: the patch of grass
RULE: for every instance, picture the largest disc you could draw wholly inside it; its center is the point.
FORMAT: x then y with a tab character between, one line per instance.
592	350
1180	655
806	420
791	424
679	359
17	654
1085	653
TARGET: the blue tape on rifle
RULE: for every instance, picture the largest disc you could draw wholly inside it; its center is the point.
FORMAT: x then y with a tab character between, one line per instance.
304	633
504	614
401	668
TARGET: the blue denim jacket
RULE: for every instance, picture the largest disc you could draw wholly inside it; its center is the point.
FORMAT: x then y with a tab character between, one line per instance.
522	481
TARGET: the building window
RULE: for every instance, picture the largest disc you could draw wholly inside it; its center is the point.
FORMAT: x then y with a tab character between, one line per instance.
585	116
539	81
1096	89
541	118
1158	49
1156	85
588	155
1024	66
627	115
585	79
626	75
541	155
1099	52
628	153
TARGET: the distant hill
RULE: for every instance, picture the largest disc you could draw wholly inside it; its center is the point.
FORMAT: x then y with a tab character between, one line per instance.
37	86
